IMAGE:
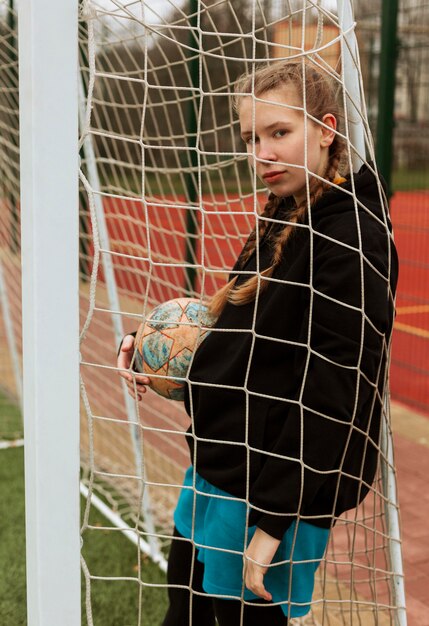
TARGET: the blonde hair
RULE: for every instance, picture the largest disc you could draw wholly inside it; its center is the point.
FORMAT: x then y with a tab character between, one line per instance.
320	99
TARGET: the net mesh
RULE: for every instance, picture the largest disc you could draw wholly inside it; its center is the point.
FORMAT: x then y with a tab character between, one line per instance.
179	201
10	249
167	200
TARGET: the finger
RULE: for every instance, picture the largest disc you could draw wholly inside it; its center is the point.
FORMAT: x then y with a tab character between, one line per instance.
125	353
136	388
136	394
125	375
260	591
137	397
254	581
129	377
128	343
142	380
124	360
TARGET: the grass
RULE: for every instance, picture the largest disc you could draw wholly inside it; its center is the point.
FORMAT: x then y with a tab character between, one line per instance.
12	538
10	419
116	603
402	180
410	180
107	553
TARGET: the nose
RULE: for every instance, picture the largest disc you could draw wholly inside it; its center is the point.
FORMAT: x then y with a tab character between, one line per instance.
265	151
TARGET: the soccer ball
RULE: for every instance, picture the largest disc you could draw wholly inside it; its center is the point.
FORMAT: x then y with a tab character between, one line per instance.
166	342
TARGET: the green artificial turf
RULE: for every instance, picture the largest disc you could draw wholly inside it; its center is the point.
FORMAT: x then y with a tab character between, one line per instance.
116	603
10	419
410	180
107	553
12	538
403	179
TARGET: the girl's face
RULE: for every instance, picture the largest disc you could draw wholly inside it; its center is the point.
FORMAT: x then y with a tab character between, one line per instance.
275	136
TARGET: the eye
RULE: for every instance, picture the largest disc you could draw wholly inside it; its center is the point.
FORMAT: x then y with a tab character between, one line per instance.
251	139
280	133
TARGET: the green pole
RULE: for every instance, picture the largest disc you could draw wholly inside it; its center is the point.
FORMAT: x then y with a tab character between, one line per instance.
386	89
11	22
192	134
84	252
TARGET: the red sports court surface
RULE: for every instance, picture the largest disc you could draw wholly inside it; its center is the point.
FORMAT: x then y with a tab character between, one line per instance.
410	353
410	384
157	232
411	442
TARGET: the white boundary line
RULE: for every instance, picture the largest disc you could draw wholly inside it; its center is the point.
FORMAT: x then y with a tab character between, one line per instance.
16	443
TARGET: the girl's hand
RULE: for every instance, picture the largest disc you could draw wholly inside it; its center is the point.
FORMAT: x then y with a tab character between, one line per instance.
258	556
124	363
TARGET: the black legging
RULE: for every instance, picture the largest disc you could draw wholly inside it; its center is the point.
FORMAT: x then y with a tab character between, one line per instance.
206	608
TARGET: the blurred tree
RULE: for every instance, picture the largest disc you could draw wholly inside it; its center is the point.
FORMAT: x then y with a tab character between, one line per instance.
154	102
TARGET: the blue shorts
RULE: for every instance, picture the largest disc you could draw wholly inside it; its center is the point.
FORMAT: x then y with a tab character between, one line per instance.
217	526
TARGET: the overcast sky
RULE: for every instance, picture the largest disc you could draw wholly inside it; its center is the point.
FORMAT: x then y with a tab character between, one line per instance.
157	10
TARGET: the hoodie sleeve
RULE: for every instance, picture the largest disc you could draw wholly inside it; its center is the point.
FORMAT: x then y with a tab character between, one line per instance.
340	364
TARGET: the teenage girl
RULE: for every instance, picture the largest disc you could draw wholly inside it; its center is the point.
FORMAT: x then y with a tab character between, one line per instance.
286	393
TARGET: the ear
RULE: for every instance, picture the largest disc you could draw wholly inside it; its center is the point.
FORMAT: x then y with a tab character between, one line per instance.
328	134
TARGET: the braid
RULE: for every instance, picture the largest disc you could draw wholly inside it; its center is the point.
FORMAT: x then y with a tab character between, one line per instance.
247	292
225	294
299	214
335	155
321	97
269	211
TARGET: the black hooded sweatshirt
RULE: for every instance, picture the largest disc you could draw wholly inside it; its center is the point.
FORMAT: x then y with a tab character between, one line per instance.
286	393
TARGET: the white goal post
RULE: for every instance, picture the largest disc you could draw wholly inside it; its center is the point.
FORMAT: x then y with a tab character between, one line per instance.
49	204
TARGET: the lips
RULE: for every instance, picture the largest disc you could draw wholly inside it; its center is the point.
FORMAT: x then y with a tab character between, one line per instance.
273	175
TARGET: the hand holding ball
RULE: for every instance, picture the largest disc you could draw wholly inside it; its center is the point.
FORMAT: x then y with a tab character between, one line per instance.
166	342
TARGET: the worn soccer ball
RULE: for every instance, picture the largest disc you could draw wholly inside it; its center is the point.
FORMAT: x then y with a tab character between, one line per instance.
166	342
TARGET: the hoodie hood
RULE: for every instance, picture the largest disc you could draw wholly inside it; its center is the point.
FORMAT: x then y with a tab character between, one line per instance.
371	196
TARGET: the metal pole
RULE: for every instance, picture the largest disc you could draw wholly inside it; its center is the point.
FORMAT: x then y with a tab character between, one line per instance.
371	79
386	89
50	289
12	206
192	134
11	21
351	78
84	234
386	443
10	335
113	297
391	509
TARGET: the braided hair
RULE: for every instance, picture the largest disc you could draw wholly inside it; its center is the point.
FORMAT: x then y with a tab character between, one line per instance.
321	98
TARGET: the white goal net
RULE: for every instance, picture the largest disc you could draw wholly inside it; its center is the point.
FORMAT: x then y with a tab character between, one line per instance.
167	200
10	241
